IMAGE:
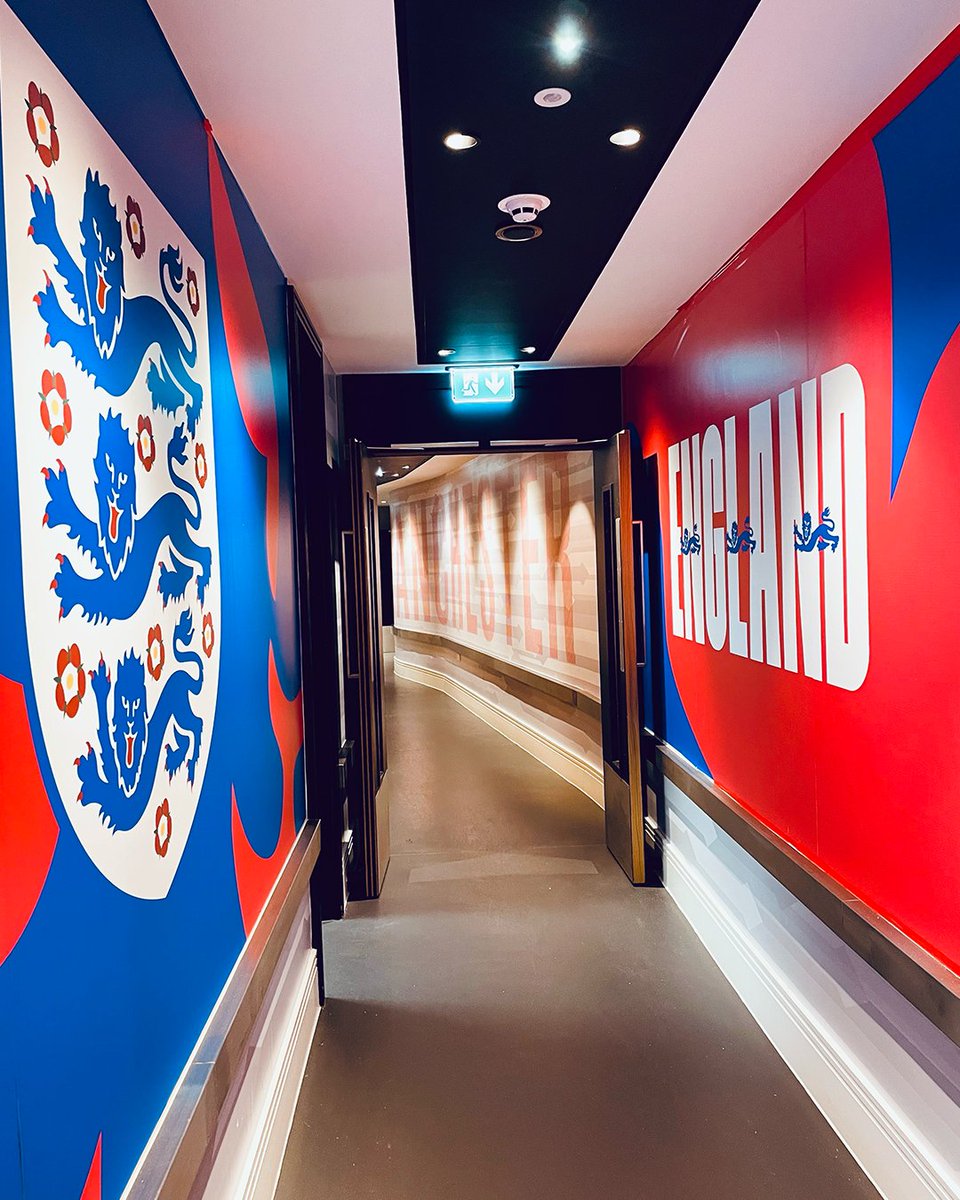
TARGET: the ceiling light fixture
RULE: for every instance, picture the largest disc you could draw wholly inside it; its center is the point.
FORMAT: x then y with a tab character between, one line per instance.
552	97
407	467
460	141
567	41
519	233
626	137
445	353
379	472
527	349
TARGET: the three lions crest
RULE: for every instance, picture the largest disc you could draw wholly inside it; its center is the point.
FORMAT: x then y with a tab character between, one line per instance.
117	495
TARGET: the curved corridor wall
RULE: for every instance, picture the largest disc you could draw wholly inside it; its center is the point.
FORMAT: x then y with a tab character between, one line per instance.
494	573
803	411
150	773
500	555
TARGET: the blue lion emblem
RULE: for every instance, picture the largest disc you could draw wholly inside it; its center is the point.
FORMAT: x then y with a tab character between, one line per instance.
123	546
119	778
741	540
807	539
690	542
115	331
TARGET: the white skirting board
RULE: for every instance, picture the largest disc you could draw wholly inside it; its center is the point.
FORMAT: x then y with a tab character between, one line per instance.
250	1155
536	742
882	1075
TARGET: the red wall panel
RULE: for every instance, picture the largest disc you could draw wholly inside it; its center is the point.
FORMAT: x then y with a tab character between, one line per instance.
820	349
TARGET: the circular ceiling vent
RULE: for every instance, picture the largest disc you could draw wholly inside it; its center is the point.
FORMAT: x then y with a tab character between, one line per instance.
519	233
525	206
552	97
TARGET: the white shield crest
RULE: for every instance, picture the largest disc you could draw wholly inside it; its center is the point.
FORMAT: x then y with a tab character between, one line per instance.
117	480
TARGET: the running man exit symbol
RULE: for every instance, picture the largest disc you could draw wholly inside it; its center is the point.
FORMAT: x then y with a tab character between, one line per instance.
482	385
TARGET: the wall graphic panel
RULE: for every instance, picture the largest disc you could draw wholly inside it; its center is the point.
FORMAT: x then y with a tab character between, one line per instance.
500	555
803	410
115	453
151	779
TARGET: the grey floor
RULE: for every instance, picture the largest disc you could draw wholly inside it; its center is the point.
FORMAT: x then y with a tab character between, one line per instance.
512	1019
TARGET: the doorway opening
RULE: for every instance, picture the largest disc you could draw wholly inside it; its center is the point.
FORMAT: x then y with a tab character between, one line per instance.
510	577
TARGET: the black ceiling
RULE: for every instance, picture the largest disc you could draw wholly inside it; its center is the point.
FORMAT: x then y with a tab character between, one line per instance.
475	67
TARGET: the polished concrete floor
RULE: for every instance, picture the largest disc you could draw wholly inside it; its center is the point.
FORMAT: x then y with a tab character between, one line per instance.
513	1020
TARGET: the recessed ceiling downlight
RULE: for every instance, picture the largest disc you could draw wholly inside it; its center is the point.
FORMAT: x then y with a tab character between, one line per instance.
626	137
445	353
519	233
568	41
527	349
552	97
460	141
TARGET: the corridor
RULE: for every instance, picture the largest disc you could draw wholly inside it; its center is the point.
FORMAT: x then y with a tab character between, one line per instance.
512	1019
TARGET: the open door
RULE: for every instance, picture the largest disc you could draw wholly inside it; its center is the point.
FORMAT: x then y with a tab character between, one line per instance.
363	679
621	609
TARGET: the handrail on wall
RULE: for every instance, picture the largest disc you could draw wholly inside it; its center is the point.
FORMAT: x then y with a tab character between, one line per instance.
928	984
180	1157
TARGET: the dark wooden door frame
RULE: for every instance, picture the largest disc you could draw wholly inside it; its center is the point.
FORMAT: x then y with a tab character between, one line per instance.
315	496
619	533
632	843
363	677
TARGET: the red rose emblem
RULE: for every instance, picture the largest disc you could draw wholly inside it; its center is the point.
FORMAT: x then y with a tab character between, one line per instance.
162	829
207	638
156	655
193	291
200	464
41	126
55	411
135	232
146	446
71	680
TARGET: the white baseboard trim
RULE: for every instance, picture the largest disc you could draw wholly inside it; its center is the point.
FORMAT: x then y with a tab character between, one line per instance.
569	766
266	1157
890	1148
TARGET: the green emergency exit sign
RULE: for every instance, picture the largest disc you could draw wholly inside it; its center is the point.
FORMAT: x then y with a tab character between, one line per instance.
482	385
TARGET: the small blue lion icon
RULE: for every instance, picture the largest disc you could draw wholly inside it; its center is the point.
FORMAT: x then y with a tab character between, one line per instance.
808	539
123	545
119	777
741	540
115	331
690	542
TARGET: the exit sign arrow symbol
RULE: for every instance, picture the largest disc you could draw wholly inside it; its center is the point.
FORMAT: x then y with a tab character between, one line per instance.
482	385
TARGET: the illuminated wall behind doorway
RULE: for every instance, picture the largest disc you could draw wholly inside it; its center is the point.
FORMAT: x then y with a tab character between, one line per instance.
500	556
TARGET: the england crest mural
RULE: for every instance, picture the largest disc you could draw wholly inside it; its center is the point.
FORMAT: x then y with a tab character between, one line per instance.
151	771
117	478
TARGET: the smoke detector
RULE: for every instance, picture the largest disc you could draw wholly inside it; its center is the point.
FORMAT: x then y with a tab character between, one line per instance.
524	207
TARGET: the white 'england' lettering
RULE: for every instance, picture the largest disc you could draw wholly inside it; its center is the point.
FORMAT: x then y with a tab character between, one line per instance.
714	539
698	532
764	588
806	523
737	626
843	409
800	568
673	470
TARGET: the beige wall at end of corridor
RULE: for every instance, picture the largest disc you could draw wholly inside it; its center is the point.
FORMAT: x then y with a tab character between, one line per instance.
499	555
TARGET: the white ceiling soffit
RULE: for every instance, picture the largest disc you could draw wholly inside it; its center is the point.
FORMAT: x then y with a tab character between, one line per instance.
433	468
304	99
802	77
